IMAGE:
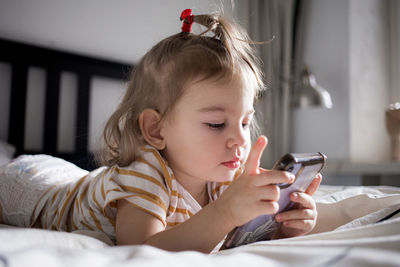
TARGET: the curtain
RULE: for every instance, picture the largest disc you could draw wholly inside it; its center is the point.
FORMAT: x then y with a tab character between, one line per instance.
273	21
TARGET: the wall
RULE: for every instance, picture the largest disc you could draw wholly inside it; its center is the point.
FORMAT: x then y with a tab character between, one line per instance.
115	30
347	46
394	9
326	52
369	80
122	30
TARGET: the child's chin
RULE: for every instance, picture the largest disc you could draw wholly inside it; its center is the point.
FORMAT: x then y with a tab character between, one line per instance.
226	176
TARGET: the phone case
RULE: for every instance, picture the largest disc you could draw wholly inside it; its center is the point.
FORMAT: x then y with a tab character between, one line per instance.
305	166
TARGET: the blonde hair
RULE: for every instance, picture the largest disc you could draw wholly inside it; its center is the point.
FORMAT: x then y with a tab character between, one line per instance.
158	80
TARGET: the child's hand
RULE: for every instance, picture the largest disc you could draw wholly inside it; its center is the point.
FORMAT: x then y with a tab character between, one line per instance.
253	193
302	219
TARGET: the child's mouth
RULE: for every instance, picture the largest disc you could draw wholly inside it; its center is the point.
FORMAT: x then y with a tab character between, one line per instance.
233	164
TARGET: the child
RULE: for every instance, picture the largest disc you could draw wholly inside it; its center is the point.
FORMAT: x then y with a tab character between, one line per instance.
181	171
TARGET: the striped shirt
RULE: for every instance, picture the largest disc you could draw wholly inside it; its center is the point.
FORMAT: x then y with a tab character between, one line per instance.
90	202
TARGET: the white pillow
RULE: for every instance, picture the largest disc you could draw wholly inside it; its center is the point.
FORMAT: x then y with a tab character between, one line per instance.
18	238
7	152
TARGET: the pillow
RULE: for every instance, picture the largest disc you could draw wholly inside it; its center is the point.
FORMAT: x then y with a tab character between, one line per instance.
18	238
7	152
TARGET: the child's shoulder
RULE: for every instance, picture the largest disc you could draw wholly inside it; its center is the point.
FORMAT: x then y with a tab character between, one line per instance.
149	167
149	160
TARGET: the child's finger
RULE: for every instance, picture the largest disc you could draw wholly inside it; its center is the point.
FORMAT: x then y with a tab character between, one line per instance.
302	225
253	160
298	214
273	177
303	199
263	170
314	185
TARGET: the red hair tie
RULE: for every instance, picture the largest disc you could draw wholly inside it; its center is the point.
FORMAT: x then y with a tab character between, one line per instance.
187	18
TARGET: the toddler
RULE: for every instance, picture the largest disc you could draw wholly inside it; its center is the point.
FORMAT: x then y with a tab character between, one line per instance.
179	170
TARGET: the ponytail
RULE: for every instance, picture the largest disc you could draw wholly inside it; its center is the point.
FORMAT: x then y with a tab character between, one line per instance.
234	39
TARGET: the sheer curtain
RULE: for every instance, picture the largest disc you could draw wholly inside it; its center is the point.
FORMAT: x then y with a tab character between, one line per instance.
272	20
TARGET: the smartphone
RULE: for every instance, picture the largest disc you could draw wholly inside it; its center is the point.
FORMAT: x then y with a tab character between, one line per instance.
305	166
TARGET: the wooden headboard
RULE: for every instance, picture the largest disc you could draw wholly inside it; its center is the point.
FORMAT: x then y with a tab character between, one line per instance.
22	56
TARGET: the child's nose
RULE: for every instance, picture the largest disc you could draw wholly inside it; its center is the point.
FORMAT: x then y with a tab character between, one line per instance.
237	137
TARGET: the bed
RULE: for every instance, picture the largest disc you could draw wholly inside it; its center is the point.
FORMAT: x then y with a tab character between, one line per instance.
21	57
357	225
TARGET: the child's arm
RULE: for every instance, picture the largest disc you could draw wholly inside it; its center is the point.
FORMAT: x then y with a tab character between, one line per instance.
201	232
252	194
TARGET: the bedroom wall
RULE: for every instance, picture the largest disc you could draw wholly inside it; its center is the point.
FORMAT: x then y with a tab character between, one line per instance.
370	80
348	47
121	31
326	52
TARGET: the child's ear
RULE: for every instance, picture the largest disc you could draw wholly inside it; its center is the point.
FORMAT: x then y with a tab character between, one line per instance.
150	125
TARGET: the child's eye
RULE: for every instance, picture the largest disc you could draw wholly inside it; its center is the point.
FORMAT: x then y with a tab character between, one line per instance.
245	125
216	125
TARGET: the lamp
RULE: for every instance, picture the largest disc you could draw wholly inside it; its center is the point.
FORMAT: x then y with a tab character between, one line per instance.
309	93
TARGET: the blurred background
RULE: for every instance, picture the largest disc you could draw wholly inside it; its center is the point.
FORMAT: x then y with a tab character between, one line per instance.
346	50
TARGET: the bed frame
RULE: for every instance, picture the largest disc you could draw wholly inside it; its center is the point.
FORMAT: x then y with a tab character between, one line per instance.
22	56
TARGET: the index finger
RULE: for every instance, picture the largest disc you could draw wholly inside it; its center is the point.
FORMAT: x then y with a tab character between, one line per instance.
253	160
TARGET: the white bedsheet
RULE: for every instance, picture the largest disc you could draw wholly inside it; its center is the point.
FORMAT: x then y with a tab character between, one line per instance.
346	235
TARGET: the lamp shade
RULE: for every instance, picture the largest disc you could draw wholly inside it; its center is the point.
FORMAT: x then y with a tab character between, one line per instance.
310	94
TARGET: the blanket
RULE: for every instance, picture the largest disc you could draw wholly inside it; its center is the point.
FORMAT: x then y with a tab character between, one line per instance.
357	226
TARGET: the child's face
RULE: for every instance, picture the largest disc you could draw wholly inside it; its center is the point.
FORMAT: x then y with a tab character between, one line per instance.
208	135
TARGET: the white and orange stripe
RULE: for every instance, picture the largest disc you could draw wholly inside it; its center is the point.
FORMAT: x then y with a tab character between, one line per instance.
90	202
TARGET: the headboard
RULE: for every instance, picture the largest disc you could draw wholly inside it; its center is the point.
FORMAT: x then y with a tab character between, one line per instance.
22	56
